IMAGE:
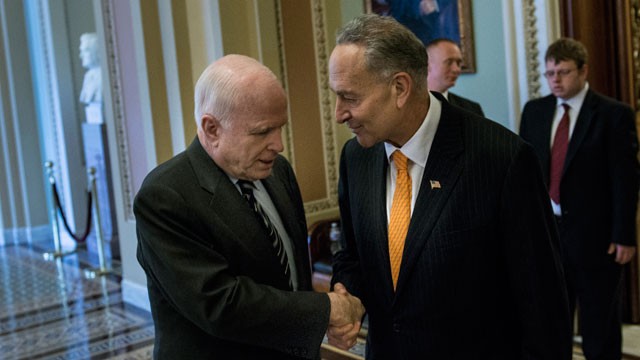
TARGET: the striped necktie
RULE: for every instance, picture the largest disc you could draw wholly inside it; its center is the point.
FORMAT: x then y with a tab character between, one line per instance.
276	241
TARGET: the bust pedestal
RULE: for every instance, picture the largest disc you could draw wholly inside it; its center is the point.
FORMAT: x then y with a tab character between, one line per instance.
97	155
93	113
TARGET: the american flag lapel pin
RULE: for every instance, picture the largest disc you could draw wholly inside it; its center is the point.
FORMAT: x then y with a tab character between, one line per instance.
435	184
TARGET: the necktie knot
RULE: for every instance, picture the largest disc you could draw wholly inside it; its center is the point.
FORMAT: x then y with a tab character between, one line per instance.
246	186
566	107
400	160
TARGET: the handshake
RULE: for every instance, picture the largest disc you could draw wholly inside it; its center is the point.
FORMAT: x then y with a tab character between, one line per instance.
345	319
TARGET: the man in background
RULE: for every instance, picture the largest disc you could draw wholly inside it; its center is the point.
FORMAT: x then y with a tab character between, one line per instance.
587	145
222	233
448	237
445	65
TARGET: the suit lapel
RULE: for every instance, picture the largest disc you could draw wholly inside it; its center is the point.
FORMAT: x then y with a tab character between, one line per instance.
378	210
583	123
291	221
283	204
369	171
444	165
542	142
237	217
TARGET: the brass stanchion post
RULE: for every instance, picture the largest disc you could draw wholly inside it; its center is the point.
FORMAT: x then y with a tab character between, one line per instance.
53	215
102	269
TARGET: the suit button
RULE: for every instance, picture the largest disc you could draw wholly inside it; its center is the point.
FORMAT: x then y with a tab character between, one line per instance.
396	327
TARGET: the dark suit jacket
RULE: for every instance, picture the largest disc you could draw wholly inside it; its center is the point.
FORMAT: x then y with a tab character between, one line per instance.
466	104
216	287
480	276
599	187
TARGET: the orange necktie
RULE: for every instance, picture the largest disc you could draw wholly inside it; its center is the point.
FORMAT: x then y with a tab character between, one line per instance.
400	214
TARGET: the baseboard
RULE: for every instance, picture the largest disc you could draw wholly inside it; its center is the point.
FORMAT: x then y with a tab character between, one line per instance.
135	294
26	235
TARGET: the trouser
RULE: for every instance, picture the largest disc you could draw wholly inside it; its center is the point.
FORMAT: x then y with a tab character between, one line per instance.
595	292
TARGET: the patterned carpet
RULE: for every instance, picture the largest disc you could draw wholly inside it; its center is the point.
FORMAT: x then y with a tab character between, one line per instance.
48	310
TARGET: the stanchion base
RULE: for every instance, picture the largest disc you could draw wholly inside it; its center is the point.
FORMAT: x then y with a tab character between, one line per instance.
50	256
95	272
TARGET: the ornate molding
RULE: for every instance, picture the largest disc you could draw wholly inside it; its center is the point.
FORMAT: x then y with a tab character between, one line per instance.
113	63
328	133
288	134
531	48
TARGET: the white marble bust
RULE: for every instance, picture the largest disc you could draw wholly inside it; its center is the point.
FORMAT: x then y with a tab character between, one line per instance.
92	85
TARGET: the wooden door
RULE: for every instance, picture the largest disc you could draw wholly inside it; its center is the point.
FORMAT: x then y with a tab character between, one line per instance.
610	30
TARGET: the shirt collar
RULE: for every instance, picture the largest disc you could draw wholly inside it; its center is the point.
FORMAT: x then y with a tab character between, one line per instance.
414	149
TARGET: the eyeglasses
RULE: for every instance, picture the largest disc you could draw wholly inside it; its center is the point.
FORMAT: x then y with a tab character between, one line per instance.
561	73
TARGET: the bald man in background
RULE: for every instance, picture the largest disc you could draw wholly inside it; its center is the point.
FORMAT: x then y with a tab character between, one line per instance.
445	65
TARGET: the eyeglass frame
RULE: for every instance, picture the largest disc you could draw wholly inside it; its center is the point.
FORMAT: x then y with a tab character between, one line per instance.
549	74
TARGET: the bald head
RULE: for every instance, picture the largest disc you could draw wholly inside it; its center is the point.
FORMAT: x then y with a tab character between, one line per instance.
232	83
445	64
241	108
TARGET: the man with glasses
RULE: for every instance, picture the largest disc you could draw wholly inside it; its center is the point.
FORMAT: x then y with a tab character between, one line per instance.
587	146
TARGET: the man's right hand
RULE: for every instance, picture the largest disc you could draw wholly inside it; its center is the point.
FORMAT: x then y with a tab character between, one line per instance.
344	320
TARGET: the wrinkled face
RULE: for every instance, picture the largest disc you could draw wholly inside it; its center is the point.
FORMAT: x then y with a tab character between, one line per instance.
246	146
565	79
363	102
445	65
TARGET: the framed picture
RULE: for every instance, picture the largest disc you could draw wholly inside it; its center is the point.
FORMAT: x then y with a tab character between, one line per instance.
432	19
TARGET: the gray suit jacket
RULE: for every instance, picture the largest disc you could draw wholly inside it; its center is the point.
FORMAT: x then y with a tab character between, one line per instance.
216	287
480	261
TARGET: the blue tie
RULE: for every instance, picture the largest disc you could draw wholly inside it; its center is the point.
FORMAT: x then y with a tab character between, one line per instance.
276	241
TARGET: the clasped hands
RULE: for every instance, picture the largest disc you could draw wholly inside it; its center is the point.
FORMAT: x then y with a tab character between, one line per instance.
345	318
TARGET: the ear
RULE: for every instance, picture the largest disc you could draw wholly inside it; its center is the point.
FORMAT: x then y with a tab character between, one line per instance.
585	70
401	86
210	127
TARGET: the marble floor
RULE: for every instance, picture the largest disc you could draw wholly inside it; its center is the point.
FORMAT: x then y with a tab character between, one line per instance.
51	310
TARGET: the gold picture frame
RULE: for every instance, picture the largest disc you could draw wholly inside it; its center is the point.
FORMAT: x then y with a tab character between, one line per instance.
431	19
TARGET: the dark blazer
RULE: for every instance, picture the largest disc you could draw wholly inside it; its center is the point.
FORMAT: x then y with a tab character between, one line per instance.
216	287
599	187
480	276
466	104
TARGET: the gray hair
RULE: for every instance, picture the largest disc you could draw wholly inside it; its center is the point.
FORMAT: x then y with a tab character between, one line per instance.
223	86
389	47
215	94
